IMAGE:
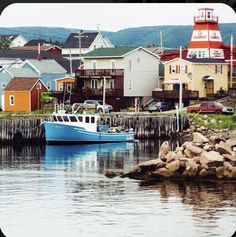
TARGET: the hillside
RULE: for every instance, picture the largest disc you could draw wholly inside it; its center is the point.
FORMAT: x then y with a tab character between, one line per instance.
173	36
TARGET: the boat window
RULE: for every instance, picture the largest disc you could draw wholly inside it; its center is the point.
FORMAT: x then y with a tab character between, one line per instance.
65	118
80	118
86	119
73	119
59	118
54	118
92	119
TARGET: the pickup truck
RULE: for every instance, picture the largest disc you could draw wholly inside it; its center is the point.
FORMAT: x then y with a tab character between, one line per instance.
210	107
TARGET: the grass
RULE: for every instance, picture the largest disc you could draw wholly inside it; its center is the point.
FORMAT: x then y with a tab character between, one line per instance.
215	121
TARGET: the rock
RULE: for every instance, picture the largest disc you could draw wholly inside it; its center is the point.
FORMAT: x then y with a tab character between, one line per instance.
160	164
220	172
194	149
229	157
171	156
213	121
196	159
188	153
173	166
205	116
133	173
191	168
211	158
112	174
216	139
149	165
162	172
164	149
208	147
231	143
228	166
199	138
222	149
203	173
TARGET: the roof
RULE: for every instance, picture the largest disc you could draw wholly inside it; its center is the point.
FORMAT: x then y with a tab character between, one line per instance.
32	54
42	47
109	52
86	40
205	60
21	84
46	65
12	37
35	42
21	72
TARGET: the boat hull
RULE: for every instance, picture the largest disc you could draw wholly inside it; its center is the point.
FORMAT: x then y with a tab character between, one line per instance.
61	133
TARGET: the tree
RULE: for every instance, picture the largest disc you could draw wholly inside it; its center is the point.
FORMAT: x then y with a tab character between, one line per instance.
5	42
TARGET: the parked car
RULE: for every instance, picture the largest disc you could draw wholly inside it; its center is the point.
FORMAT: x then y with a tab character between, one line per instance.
159	106
98	105
210	107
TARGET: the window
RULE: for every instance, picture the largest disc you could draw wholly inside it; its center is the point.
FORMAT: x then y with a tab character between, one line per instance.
173	69
130	65
73	119
95	46
3	85
49	85
186	68
94	65
94	83
68	87
112	84
59	118
86	119
199	54
80	118
92	119
203	54
38	86
60	87
54	118
12	100
218	69
113	65
65	118
130	84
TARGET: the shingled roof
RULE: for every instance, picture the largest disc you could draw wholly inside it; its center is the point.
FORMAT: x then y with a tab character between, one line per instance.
11	37
21	72
35	42
73	42
109	52
21	84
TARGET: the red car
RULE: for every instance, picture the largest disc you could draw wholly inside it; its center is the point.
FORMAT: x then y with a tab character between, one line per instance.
210	107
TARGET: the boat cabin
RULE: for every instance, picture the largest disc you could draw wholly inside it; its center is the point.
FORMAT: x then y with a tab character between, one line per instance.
90	122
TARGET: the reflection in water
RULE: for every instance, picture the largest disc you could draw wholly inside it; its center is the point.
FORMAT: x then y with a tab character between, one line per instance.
62	191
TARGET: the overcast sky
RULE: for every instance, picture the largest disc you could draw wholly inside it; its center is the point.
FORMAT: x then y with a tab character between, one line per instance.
110	16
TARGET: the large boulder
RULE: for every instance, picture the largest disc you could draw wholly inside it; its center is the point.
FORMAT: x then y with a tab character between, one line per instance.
162	172
173	166
211	158
220	172
199	138
222	149
171	156
164	149
193	149
191	168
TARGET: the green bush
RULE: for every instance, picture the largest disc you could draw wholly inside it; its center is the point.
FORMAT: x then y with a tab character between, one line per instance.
46	98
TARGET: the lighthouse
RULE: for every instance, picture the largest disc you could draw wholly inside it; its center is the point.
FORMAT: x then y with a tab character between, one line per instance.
206	41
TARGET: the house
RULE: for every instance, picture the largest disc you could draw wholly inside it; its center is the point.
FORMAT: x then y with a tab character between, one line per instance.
23	95
78	44
8	73
47	69
130	75
53	49
35	42
200	78
15	58
65	84
17	40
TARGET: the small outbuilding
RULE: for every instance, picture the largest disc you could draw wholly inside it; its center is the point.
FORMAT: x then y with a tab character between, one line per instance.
23	95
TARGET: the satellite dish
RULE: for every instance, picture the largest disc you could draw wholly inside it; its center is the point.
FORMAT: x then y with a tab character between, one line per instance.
190	75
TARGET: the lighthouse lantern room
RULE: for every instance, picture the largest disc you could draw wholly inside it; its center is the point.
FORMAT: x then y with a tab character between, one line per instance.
206	41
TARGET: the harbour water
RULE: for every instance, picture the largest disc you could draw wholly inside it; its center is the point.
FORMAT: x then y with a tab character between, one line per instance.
62	191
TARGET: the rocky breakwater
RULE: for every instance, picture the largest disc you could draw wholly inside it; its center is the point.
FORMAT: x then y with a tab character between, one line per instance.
201	158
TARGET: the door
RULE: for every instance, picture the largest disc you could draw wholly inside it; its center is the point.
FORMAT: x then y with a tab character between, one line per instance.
209	86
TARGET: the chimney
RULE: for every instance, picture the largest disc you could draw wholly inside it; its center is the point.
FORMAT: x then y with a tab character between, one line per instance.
39	56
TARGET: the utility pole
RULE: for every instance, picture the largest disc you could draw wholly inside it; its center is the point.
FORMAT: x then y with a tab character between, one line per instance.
161	42
70	64
180	79
231	61
104	93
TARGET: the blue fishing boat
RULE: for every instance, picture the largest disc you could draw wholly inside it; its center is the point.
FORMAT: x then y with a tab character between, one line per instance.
83	128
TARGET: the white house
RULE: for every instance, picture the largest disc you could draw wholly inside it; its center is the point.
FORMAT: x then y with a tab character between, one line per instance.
78	44
16	40
131	74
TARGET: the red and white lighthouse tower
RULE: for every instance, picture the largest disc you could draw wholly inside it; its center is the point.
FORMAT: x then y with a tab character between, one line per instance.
206	41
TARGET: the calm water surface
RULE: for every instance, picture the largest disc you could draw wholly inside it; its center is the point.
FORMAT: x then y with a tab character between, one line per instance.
62	191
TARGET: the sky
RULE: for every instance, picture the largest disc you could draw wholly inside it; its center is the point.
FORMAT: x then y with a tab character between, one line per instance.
108	16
